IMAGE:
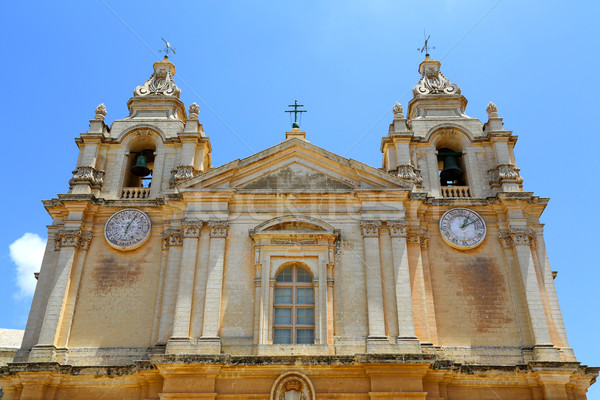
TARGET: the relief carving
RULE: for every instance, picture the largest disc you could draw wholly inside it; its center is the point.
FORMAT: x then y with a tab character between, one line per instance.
433	81
292	386
160	82
182	173
72	238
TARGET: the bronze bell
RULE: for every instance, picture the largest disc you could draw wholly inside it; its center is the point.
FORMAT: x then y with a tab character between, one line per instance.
451	171
141	166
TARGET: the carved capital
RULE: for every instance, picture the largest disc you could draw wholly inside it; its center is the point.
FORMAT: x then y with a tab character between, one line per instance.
218	229
370	228
87	175
504	173
397	228
172	237
418	236
72	238
191	229
517	237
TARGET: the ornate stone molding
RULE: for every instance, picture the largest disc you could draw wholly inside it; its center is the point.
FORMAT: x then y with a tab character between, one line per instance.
517	236
397	228
172	237
87	175
433	81
418	236
100	112
191	229
160	82
292	385
218	229
410	173
193	111
72	238
504	173
370	228
398	112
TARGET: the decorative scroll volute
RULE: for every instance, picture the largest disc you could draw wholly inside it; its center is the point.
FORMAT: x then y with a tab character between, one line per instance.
433	81
161	82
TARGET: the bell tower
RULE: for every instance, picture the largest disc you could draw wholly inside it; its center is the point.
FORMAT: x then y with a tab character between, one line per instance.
444	152
145	154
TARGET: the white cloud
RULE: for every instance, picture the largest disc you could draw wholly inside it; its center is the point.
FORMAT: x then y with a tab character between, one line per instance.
27	253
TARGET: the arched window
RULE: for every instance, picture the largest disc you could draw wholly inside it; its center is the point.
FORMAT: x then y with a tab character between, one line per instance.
294	319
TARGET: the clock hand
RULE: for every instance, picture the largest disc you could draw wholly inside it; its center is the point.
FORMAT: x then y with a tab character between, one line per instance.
472	222
128	225
464	223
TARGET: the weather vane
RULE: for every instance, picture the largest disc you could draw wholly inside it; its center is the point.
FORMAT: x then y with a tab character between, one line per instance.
296	124
426	47
167	48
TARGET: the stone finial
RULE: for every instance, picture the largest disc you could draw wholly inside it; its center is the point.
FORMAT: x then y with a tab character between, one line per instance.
398	112
433	81
193	111
161	82
100	112
492	110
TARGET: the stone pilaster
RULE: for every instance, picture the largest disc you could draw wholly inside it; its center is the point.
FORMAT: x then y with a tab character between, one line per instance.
418	238
172	243
407	339
214	286
370	233
67	241
521	239
183	306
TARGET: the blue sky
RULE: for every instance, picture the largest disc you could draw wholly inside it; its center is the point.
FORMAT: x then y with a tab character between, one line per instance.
347	61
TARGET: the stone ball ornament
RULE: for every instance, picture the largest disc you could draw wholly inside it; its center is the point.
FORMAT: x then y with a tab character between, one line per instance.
462	228
127	229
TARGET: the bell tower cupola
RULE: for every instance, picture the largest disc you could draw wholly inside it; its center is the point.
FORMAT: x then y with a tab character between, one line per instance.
444	152
148	153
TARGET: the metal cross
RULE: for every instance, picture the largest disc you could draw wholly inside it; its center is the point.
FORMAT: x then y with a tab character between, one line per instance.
167	48
426	46
296	112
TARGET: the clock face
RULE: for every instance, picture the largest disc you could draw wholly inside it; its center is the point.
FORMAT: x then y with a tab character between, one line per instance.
127	229
462	228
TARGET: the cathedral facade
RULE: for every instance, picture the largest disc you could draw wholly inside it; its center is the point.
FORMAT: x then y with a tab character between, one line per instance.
296	273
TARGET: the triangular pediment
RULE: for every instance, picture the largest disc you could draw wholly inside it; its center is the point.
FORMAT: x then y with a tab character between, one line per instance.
294	165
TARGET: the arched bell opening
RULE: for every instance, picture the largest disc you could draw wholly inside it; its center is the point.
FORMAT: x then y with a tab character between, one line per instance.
140	164
451	167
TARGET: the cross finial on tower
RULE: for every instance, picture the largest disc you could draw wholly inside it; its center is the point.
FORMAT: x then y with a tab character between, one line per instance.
426	47
167	48
296	124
